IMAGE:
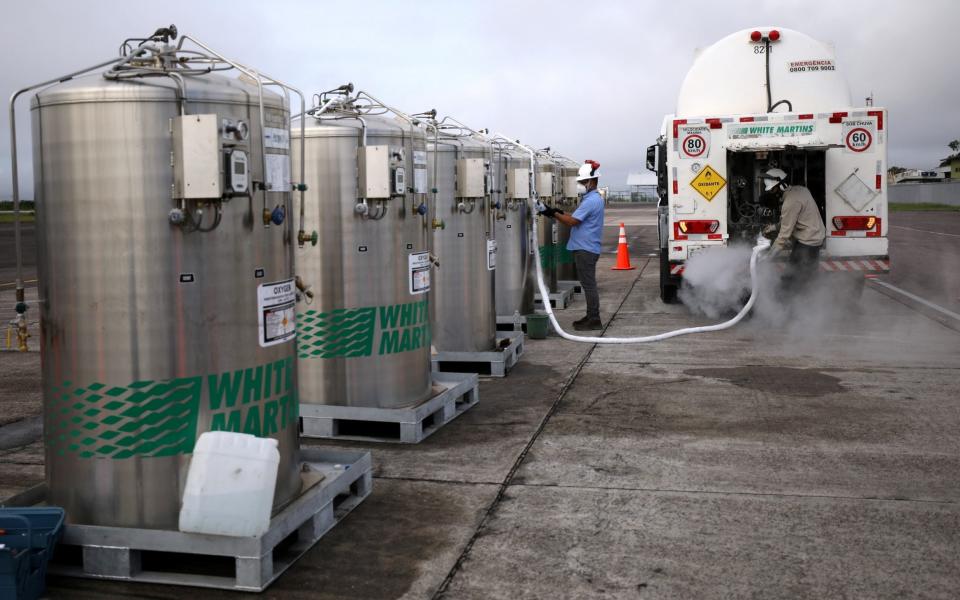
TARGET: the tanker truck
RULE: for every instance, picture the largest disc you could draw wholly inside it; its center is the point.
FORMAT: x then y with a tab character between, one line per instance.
759	99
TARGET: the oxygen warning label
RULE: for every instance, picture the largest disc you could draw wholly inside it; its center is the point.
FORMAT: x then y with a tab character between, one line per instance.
419	276
276	304
708	183
491	255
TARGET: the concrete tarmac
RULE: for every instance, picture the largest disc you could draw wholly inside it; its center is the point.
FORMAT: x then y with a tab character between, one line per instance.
760	461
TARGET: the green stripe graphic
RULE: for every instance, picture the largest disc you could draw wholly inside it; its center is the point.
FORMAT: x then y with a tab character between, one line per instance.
145	418
340	333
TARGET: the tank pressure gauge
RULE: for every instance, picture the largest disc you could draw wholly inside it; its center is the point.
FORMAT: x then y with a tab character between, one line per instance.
236	130
238	176
399	181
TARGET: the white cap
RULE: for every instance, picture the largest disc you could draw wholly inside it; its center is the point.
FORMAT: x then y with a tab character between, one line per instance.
773	177
589	170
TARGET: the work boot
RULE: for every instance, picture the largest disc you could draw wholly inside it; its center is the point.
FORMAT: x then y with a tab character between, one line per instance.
580	322
588	325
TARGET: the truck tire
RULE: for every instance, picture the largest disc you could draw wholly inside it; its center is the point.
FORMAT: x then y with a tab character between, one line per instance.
668	289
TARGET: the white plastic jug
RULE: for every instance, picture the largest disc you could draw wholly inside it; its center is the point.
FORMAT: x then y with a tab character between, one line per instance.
230	485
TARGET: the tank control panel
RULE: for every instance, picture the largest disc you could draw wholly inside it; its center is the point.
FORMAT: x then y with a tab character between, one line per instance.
380	172
518	184
196	157
210	157
569	186
237	172
545	184
471	178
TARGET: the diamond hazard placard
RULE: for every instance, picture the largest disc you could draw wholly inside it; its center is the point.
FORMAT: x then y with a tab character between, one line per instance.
708	183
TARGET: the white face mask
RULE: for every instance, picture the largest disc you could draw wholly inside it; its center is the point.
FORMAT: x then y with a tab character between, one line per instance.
581	189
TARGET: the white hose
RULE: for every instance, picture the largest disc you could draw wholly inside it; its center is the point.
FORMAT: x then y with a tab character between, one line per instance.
762	244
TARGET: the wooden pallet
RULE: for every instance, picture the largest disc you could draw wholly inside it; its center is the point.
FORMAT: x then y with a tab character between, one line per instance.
456	393
496	363
334	483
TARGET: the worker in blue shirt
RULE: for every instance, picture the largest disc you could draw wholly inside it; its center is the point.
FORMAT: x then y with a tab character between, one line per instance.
586	229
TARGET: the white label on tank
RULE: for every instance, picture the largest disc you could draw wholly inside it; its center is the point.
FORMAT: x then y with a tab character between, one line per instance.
419	158
419	276
276	306
859	135
778	130
420	181
274	137
491	255
812	66
278	173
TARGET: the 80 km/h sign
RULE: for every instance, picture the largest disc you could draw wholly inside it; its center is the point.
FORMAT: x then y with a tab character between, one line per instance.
694	141
694	145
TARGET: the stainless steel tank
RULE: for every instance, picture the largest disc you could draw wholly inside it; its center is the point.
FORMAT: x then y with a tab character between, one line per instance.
152	330
365	338
567	200
515	274
465	319
546	183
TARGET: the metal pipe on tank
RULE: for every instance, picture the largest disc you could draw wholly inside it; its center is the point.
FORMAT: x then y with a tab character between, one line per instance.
20	295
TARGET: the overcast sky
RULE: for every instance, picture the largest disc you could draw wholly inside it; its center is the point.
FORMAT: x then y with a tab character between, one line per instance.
590	79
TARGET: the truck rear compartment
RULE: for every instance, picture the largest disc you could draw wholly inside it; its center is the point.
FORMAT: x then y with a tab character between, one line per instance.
749	207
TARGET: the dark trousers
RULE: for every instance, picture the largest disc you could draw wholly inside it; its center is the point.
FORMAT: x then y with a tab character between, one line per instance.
802	266
587	273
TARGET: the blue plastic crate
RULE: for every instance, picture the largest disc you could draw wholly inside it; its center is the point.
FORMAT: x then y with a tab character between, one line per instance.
30	534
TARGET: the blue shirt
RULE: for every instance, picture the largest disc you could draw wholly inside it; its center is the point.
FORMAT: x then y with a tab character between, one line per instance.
586	235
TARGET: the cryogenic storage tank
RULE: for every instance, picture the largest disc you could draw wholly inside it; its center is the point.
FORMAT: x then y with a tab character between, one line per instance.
165	269
515	274
546	182
463	294
567	200
364	339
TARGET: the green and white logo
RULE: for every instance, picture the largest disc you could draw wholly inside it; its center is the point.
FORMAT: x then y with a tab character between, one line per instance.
358	332
162	418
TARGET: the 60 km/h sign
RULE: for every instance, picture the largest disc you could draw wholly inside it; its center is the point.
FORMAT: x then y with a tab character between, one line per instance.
859	139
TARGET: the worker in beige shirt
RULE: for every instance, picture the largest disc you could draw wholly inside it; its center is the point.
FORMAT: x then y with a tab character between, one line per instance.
801	229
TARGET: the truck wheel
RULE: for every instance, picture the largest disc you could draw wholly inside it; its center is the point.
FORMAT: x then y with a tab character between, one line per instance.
668	290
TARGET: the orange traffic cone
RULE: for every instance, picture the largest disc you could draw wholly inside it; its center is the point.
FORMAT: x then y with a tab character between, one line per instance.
623	252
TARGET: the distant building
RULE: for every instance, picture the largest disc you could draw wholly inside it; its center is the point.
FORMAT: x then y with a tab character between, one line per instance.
955	168
921	175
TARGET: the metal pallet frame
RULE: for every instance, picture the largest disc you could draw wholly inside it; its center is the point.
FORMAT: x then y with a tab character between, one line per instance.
511	323
116	552
571	284
559	300
496	362
460	392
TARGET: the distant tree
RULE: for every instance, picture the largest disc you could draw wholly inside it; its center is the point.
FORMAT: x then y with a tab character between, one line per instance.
896	170
955	146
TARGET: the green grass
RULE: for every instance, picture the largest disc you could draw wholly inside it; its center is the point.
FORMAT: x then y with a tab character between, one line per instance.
24	217
922	206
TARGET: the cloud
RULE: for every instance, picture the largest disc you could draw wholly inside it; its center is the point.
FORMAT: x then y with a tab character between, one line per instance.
589	80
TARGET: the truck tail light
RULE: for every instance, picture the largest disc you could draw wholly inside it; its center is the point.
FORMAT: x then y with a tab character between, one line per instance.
694	226
857	223
756	36
774	35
